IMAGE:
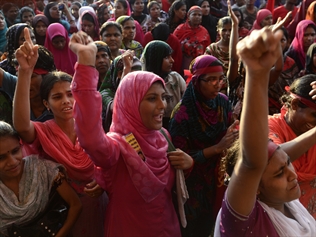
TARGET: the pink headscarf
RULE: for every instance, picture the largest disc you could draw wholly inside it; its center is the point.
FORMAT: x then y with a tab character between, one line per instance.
96	23
152	175
64	59
261	15
297	43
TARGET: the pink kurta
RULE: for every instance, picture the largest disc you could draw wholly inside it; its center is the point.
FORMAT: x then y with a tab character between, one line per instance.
140	201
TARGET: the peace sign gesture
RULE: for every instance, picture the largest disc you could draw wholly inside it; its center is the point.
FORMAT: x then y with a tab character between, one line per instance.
27	54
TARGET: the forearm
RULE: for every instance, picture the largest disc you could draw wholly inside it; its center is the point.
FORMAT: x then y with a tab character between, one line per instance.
87	114
298	146
213	151
232	72
254	119
21	105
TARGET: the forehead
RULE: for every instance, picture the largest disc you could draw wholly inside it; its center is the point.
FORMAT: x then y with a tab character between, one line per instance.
7	143
58	38
194	12
278	160
129	23
60	86
214	74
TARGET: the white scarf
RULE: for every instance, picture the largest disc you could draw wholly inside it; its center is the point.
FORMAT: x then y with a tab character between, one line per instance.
303	225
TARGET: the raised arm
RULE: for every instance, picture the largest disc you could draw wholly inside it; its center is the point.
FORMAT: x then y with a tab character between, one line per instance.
259	52
87	109
232	72
27	56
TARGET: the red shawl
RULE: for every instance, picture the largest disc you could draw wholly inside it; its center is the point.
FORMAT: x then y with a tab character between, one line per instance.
193	40
53	143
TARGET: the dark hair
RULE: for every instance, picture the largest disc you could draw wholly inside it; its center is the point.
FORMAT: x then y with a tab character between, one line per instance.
123	2
45	59
47	13
7	6
103	47
309	59
87	17
301	87
26	9
6	130
109	24
151	4
49	81
223	21
237	9
176	5
100	13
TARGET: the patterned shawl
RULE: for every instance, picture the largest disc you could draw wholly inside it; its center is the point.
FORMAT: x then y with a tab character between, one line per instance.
34	188
203	122
193	40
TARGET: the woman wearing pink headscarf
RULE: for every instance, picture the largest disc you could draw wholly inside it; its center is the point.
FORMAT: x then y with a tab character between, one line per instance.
88	22
264	18
57	41
305	36
138	176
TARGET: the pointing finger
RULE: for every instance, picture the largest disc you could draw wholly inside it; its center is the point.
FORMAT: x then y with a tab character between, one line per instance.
27	36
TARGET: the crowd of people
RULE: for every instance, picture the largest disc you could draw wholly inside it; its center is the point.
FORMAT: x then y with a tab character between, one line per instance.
159	118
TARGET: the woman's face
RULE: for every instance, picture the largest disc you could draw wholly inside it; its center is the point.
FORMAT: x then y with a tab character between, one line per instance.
205	8
59	42
119	10
181	12
2	22
27	18
284	43
41	28
22	39
167	64
60	100
12	14
102	62
152	107
309	37
279	181
195	18
11	163
75	11
238	15
224	32
267	21
88	27
210	84
106	14
138	6
113	38
154	11
301	119
54	12
36	81
129	30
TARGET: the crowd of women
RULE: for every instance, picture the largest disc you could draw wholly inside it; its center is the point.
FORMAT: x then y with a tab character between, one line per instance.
157	118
